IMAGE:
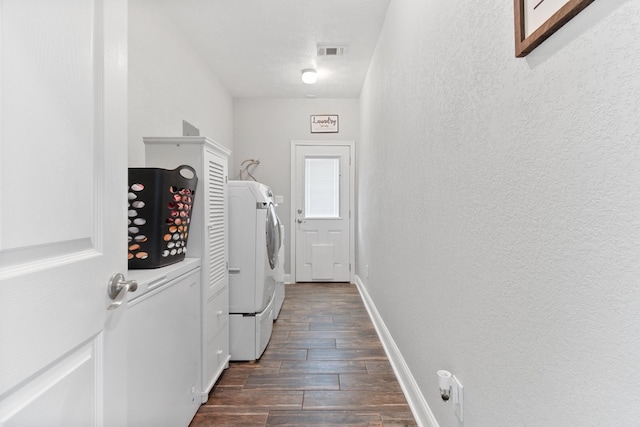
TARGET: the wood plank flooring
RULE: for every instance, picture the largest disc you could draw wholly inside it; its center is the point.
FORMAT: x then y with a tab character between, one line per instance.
324	366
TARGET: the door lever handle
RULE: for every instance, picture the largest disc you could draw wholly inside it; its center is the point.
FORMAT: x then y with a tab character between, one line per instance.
300	221
118	288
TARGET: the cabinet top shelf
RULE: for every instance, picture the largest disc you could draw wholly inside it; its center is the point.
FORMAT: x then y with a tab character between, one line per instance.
178	140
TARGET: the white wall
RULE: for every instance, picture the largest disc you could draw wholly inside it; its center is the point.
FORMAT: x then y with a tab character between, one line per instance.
264	129
169	82
499	210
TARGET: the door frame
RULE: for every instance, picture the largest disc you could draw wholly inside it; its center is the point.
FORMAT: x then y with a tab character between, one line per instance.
352	197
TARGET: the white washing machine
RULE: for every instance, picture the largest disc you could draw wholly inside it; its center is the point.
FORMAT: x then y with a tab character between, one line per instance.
254	243
279	297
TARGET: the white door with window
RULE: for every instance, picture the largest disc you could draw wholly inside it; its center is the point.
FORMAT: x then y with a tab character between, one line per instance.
63	177
322	187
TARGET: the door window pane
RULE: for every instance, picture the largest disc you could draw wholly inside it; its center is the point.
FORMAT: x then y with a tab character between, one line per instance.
322	187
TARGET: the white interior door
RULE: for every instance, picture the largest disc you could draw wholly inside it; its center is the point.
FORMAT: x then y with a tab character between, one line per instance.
63	132
323	187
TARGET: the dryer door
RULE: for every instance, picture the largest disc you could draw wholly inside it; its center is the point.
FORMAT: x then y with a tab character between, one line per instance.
273	236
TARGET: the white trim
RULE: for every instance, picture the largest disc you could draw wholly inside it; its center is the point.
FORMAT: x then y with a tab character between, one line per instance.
419	407
204	394
352	198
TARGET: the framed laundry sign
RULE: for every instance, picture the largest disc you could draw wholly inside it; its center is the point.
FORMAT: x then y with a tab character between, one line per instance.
536	20
324	124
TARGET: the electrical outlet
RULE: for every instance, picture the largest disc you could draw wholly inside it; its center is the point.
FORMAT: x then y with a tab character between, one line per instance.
451	390
458	398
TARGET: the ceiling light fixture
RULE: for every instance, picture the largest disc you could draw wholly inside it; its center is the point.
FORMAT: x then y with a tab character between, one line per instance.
309	76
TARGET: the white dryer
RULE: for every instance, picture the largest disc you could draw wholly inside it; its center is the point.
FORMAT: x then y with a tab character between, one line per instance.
254	243
279	296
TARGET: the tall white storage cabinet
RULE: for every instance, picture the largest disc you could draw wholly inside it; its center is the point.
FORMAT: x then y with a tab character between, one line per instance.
208	239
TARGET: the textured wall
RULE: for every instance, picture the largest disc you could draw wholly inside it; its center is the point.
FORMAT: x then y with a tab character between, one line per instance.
499	210
264	129
169	82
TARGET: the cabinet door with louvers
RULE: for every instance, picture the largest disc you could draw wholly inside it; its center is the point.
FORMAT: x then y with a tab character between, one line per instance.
216	221
215	263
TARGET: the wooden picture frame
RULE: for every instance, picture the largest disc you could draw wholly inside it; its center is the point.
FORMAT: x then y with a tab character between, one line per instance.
545	16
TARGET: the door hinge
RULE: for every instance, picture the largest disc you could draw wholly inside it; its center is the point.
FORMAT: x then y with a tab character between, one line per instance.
349	267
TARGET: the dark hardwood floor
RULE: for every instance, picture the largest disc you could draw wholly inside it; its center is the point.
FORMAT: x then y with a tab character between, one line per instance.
324	366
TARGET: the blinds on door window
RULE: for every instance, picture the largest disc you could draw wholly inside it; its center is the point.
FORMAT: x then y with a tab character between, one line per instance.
322	187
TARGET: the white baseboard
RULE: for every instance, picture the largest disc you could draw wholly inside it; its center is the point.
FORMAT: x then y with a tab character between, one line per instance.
287	278
419	407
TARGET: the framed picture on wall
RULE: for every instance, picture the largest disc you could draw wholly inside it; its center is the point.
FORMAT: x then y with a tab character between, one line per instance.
536	20
324	124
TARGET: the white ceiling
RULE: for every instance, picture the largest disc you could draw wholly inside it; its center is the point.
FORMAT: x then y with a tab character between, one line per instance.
257	48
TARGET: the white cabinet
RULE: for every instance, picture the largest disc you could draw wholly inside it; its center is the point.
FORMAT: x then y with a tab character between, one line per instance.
163	341
208	239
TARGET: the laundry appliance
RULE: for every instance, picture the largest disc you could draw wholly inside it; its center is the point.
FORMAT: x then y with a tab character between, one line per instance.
279	296
254	244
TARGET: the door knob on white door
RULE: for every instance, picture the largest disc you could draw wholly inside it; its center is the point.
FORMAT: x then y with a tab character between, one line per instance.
118	288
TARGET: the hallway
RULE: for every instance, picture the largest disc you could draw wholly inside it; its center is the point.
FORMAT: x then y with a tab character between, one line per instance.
324	366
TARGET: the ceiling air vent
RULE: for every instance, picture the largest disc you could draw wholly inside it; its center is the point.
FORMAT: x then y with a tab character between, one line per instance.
331	50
